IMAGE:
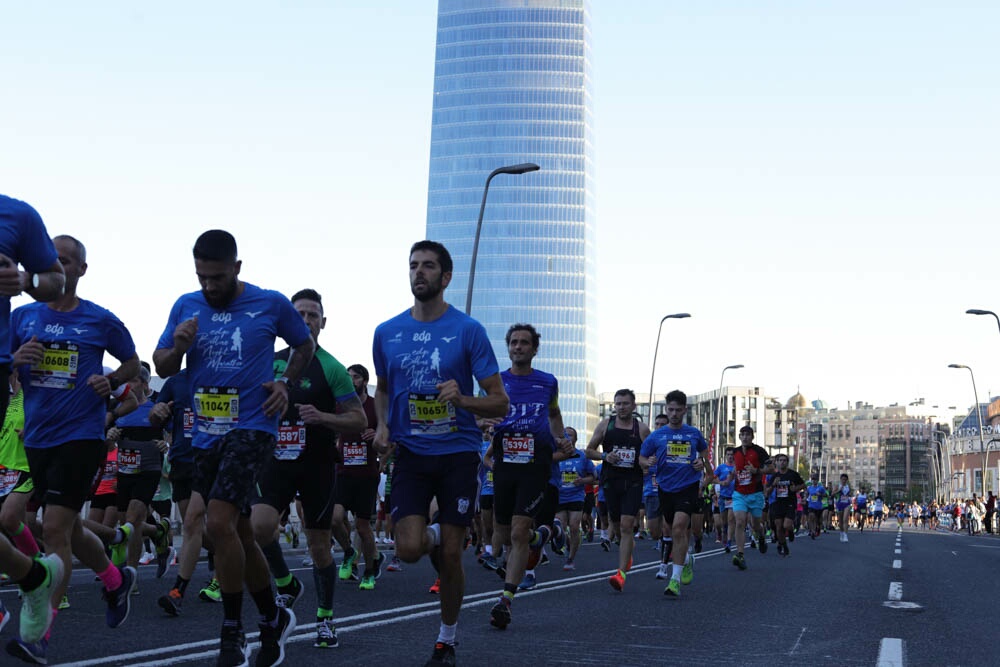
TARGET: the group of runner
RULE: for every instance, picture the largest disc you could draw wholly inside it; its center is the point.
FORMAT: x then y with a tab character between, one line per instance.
243	432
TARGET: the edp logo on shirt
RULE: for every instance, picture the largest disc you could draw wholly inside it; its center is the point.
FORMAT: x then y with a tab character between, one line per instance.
422	337
225	318
56	329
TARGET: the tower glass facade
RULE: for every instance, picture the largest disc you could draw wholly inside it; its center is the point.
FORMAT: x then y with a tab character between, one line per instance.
512	84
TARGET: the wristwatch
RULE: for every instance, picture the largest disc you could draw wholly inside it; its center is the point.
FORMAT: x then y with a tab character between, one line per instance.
284	379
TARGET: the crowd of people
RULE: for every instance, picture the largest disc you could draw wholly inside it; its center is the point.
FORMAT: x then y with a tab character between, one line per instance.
450	451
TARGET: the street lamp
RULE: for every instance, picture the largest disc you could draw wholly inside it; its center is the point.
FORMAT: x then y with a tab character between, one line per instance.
515	169
979	415
656	351
945	455
718	414
977	311
986	456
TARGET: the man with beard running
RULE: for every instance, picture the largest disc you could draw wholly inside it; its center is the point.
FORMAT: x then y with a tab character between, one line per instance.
522	451
785	484
227	332
426	359
621	435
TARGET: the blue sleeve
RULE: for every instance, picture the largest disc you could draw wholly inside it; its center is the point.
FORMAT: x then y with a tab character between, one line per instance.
291	327
381	370
648	446
120	343
588	468
167	337
484	362
700	445
35	249
167	391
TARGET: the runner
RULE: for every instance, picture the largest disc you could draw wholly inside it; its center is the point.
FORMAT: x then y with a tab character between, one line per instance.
575	474
785	484
227	333
678	455
323	402
621	435
861	509
492	551
726	477
752	462
60	350
843	496
426	359
356	488
651	501
816	494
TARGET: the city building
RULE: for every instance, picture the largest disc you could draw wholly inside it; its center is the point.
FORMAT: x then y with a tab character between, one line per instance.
969	454
512	84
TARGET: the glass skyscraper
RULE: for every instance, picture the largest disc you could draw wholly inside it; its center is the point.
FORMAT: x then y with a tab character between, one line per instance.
512	84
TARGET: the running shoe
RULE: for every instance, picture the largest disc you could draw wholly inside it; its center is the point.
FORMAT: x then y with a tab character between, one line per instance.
36	606
544	560
146	558
233	649
687	572
120	600
606	544
394	565
163	561
569	565
119	551
558	538
288	595
29	652
673	589
326	634
367	583
739	561
729	546
379	562
435	587
171	602
347	566
762	544
528	583
697	545
307	561
500	614
443	656
64	603
617	581
212	592
273	639
489	561
663	572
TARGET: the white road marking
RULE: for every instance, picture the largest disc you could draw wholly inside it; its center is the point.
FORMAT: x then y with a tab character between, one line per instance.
896	590
897	564
890	653
899	551
797	642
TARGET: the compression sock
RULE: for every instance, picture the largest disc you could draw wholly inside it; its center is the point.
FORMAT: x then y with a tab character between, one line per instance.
25	541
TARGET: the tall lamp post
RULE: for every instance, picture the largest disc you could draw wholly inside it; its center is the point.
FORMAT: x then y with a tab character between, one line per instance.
515	169
979	415
656	351
986	456
718	414
977	311
945	457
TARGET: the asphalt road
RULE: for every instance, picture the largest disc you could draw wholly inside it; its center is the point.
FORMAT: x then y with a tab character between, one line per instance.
829	603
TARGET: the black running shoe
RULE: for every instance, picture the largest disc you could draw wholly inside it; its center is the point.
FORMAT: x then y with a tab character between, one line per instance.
443	656
273	638
500	615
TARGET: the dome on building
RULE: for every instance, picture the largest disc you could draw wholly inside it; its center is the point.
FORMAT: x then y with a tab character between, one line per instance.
797	402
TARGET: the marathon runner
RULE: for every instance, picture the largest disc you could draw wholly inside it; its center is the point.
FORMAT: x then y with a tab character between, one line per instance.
843	496
426	359
575	474
726	476
522	453
752	462
227	332
861	509
678	455
816	493
621	435
785	484
60	351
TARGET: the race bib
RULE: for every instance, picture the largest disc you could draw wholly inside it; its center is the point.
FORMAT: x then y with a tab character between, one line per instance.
743	477
217	409
57	369
430	416
782	491
679	451
814	498
128	461
489	477
568	479
626	457
291	441
355	454
8	481
188	418
729	503
518	448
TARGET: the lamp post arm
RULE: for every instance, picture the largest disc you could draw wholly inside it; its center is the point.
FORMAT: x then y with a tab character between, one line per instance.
475	244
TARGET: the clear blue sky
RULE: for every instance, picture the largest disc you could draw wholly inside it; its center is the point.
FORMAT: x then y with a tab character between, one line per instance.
814	182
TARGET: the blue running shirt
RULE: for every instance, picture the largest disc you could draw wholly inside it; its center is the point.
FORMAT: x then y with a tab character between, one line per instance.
675	450
414	357
569	471
59	406
524	435
232	357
